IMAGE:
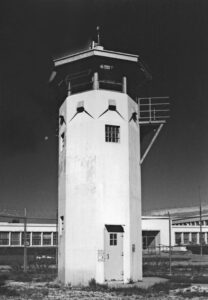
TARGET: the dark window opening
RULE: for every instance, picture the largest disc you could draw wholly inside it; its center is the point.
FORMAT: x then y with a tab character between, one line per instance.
4	238
112	133
178	238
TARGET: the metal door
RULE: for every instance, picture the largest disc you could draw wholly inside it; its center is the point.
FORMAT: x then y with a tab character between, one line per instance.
113	255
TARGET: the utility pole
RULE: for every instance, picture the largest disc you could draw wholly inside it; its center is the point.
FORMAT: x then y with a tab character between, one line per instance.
57	238
25	241
200	223
170	247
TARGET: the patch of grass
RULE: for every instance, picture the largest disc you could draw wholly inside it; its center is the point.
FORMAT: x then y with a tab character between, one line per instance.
20	276
6	291
193	294
3	278
92	283
167	286
157	288
34	293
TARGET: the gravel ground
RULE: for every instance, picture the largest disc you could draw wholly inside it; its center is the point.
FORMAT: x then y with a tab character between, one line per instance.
41	291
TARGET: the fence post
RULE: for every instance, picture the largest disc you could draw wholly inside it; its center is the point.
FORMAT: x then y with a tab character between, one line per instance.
25	241
170	250
57	238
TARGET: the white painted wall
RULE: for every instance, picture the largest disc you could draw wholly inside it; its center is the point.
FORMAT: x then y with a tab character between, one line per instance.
97	186
160	224
31	227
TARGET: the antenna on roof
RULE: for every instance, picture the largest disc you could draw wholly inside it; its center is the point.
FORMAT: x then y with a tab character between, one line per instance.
98	35
97	44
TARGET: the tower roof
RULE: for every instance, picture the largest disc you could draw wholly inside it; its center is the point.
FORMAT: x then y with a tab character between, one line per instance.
96	52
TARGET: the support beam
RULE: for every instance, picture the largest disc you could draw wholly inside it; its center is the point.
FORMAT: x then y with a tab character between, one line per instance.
151	143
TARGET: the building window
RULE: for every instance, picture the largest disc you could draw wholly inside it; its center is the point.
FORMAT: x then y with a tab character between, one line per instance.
202	237
194	237
4	238
113	239
55	238
46	238
178	238
27	238
112	133
186	237
36	238
15	238
149	239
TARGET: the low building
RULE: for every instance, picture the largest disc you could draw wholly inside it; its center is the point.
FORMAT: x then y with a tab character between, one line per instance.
155	233
37	235
187	230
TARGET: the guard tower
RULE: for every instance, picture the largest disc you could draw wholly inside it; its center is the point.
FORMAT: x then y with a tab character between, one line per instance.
99	167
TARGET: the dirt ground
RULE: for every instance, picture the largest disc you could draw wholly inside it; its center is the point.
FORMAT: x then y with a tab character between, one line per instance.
33	290
46	291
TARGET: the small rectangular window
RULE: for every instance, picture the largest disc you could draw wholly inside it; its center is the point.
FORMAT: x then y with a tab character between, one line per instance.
178	238
4	238
194	237
55	238
113	239
186	237
112	133
15	238
26	238
47	238
36	238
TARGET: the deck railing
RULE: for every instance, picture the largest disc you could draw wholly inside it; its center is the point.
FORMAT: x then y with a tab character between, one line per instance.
153	109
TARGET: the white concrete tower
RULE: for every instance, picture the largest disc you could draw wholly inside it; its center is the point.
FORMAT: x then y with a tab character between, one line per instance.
99	168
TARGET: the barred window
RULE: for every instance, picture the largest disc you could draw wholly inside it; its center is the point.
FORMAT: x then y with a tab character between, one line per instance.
112	133
113	239
15	238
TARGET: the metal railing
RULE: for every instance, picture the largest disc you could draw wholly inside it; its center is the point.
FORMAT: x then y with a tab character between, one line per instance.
153	109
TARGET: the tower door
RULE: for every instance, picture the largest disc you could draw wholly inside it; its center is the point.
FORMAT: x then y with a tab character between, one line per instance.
114	252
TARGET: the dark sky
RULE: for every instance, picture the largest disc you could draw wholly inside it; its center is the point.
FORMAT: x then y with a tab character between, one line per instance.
170	36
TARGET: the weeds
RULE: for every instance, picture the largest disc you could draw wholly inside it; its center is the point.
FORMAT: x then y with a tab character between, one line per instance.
93	285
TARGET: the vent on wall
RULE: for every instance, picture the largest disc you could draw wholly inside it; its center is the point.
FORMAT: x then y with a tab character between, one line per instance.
80	107
112	105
